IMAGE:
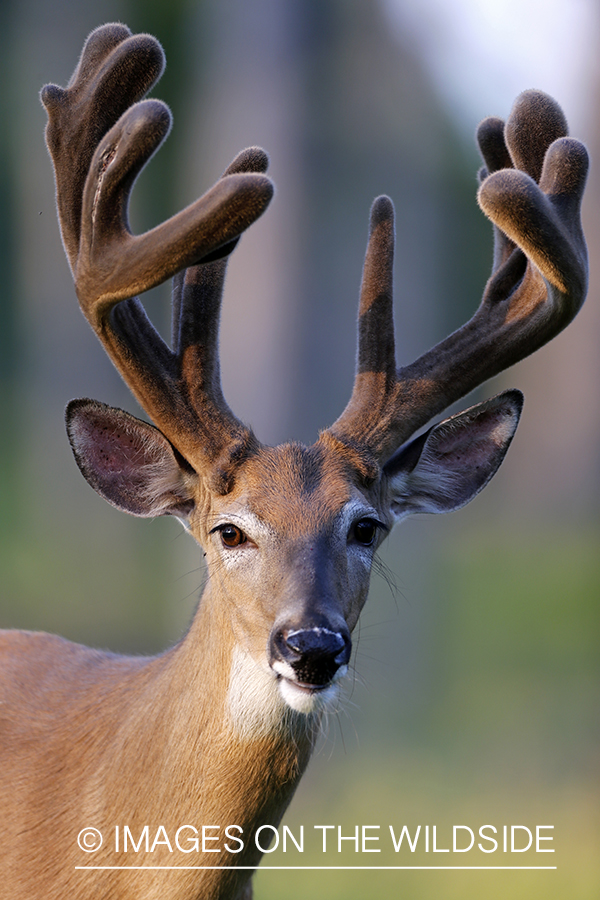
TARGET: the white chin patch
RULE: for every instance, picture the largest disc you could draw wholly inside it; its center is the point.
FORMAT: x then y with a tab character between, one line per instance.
260	698
307	700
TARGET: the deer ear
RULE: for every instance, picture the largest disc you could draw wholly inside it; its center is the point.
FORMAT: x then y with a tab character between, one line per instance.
447	466
128	462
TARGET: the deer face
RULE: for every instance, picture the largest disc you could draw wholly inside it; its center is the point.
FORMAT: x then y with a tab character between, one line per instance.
289	551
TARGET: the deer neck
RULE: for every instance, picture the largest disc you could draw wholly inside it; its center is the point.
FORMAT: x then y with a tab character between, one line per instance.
212	719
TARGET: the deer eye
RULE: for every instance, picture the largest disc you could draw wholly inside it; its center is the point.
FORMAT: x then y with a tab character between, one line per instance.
364	531
231	535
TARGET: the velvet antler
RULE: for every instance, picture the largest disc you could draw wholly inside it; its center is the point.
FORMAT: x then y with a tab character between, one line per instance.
531	189
100	134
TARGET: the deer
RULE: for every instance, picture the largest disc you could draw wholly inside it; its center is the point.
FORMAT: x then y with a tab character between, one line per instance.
211	737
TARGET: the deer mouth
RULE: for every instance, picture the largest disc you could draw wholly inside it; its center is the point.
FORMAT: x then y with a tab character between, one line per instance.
311	688
306	697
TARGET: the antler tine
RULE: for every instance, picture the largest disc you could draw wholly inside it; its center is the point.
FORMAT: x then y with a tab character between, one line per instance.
187	323
115	70
375	381
539	281
493	149
197	295
100	124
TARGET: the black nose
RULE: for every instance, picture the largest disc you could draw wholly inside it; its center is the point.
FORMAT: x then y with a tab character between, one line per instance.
315	654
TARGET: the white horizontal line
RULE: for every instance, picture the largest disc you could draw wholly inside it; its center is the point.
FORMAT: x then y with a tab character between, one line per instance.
330	868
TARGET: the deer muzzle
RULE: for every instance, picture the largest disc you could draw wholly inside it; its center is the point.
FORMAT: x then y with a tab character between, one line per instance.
309	657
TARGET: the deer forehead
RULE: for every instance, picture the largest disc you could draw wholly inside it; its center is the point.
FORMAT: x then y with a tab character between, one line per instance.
295	490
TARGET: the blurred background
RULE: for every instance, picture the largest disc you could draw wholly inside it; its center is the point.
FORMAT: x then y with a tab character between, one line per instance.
476	689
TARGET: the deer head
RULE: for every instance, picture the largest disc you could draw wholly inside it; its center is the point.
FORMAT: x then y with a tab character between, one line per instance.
290	531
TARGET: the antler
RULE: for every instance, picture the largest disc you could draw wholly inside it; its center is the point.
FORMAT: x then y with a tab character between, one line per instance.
100	134
531	189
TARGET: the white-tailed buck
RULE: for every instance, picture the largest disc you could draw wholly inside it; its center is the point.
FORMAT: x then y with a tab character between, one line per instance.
215	733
